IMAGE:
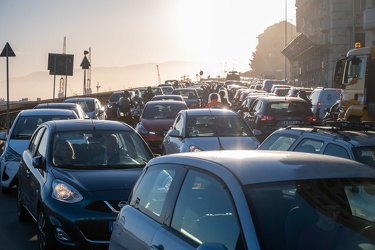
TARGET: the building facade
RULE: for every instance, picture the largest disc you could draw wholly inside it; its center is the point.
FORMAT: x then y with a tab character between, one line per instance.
328	29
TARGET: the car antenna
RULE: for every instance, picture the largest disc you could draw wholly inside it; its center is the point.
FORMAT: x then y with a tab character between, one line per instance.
216	132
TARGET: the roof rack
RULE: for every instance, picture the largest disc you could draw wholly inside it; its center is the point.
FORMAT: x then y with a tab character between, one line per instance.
339	126
354	126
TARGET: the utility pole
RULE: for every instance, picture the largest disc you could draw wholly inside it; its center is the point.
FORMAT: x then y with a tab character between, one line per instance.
157	68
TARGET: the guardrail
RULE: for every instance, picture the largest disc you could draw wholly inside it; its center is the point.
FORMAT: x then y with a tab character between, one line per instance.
15	108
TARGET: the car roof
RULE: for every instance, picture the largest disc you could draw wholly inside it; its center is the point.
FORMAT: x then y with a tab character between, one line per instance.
168	96
46	111
163	102
256	166
209	111
80	99
281	98
356	138
74	125
56	104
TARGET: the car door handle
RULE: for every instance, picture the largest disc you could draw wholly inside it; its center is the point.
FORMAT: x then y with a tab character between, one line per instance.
154	247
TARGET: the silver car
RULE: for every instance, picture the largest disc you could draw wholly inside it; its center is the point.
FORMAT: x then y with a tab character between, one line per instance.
18	138
249	199
208	129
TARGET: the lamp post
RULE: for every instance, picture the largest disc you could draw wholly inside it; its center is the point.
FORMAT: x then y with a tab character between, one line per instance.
286	40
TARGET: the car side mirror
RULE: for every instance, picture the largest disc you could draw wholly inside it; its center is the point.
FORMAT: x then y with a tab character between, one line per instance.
174	133
257	132
38	162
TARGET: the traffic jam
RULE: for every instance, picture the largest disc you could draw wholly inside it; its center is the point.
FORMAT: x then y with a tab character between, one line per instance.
175	166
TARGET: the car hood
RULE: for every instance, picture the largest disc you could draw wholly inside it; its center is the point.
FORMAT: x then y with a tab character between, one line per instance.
99	179
156	125
228	143
18	145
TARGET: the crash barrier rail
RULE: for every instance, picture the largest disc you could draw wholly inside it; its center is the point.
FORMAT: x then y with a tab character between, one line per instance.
16	107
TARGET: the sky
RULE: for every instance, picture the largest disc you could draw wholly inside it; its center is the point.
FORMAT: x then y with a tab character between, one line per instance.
221	34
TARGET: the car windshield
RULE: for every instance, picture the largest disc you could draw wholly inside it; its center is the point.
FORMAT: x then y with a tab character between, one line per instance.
324	213
87	106
98	149
26	125
212	126
115	97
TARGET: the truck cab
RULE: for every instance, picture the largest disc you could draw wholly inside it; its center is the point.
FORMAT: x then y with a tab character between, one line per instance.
356	75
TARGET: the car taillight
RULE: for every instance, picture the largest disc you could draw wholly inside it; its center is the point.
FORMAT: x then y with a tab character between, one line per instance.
310	118
319	103
264	117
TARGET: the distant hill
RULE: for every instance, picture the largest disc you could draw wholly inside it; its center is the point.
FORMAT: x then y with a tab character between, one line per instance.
40	84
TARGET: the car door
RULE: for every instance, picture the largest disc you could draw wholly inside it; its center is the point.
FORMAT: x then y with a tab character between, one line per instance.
149	207
173	144
204	213
31	179
252	115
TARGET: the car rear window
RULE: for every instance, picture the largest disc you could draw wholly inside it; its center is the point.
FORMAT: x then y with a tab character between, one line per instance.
286	107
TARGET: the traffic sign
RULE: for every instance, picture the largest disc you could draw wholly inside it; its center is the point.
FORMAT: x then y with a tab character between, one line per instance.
85	64
7	51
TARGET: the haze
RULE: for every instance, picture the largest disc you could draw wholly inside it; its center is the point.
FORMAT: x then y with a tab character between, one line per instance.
220	34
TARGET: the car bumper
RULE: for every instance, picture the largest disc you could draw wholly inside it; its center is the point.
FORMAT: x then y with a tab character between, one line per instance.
8	173
88	223
154	141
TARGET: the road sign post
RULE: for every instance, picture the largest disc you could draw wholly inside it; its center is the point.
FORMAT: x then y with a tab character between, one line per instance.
85	64
7	52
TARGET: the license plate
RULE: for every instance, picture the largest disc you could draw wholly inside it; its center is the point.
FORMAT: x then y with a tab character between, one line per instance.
287	123
111	225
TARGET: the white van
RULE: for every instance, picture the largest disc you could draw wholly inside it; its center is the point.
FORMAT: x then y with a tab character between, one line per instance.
268	83
322	98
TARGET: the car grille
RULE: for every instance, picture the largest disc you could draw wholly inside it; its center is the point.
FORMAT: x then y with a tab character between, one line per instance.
95	230
100	206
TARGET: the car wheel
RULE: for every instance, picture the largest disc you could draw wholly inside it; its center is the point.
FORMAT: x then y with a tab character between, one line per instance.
45	235
22	213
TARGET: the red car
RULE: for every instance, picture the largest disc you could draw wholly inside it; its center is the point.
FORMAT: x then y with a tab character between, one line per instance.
156	119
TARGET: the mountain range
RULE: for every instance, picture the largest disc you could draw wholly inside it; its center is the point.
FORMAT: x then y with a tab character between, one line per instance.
41	84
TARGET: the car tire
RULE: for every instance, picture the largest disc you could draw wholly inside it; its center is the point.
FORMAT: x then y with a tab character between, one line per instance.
22	213
45	233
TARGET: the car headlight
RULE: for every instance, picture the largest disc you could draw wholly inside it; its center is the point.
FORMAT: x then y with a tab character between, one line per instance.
109	106
140	129
64	192
11	155
194	149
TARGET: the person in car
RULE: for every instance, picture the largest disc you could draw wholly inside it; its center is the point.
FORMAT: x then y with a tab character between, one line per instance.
213	101
302	94
64	153
224	101
110	153
148	95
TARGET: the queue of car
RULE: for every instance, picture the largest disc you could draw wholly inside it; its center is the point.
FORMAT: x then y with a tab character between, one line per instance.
186	174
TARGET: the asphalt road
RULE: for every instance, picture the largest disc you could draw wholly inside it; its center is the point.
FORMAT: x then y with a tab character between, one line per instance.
15	235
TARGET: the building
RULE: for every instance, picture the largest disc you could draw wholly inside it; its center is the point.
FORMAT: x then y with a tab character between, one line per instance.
328	29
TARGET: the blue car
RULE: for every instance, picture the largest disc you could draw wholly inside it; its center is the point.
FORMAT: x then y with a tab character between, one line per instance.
73	177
